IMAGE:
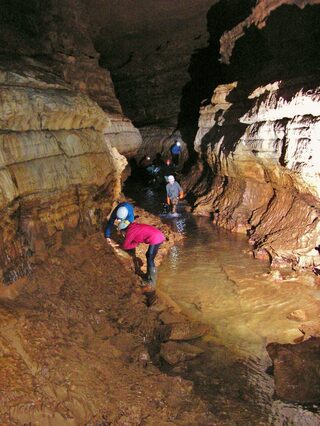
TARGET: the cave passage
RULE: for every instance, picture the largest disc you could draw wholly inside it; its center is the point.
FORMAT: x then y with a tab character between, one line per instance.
214	279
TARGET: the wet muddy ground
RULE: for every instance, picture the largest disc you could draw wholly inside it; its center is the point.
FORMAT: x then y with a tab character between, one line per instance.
79	346
75	341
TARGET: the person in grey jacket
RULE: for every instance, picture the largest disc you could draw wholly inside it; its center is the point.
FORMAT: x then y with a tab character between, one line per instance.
174	193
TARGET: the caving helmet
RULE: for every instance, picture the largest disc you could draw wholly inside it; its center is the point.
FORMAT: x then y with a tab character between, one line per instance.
170	179
122	213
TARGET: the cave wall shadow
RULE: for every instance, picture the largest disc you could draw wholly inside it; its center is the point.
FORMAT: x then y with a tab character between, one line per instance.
205	69
287	47
26	20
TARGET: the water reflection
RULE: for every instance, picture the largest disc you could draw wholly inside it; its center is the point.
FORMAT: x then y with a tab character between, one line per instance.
213	277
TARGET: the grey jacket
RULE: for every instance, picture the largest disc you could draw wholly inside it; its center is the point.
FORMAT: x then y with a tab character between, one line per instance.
173	190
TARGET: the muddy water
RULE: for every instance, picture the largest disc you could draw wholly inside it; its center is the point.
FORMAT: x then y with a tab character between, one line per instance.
214	279
212	276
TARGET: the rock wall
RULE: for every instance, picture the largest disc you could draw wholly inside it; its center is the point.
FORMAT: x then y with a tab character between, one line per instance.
57	171
148	51
122	135
261	176
57	34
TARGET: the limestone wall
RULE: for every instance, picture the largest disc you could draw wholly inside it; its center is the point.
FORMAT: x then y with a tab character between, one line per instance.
52	39
58	173
261	147
122	135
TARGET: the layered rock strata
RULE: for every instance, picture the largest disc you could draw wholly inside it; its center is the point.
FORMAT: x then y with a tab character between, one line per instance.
260	149
57	171
57	34
122	135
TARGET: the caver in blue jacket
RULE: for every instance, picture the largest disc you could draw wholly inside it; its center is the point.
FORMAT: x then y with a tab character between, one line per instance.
113	217
175	148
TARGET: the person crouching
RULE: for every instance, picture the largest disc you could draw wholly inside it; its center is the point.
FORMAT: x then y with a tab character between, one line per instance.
121	212
137	233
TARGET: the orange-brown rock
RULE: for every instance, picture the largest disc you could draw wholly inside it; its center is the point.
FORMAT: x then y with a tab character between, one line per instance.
123	135
57	171
296	370
261	147
174	352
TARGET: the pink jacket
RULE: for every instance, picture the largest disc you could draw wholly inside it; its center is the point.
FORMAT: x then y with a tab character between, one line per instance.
140	233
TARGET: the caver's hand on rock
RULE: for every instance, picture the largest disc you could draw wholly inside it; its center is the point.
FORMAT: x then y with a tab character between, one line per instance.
112	243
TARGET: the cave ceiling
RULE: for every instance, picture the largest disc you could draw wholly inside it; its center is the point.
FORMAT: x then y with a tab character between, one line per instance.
165	56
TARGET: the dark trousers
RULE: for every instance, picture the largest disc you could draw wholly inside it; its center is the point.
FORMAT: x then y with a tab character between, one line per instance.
151	254
151	267
175	159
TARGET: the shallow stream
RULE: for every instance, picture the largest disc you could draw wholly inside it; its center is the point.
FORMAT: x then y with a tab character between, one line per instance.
213	278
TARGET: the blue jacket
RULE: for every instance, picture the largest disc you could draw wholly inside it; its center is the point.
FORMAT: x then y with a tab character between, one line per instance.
113	217
175	149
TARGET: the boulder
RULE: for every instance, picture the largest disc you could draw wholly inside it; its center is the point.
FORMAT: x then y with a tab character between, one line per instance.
297	370
297	315
174	352
310	329
187	330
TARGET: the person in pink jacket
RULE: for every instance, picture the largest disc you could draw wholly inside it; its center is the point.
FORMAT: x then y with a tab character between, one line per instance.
136	233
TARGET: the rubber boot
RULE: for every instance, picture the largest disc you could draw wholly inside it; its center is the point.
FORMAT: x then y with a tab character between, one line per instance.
152	276
151	298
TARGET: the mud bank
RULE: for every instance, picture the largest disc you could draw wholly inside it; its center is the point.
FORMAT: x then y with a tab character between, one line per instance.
75	341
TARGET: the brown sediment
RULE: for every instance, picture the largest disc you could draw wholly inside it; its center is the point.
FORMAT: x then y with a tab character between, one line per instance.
75	344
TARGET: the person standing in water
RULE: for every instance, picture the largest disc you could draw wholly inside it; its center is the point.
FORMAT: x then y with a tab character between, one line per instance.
137	233
174	193
123	211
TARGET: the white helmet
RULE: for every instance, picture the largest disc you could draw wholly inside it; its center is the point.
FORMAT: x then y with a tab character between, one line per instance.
122	213
178	143
170	179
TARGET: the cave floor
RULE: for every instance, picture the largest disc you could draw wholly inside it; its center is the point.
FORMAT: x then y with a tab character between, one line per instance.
75	341
74	344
